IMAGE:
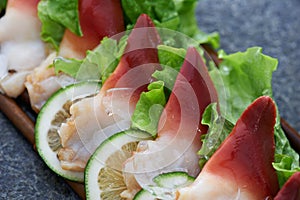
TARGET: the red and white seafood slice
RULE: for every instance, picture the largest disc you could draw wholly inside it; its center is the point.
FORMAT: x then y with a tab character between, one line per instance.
42	82
291	189
179	129
21	48
98	19
242	166
94	119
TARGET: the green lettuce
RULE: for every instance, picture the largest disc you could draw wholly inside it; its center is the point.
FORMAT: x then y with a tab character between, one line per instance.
219	129
286	159
285	167
188	23
56	16
150	105
149	108
171	60
241	78
2	5
98	64
177	15
163	13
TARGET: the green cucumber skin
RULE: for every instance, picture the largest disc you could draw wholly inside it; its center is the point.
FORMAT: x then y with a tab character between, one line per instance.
163	181
144	195
66	89
78	177
121	138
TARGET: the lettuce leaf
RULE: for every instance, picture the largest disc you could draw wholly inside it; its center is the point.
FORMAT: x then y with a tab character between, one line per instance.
241	78
171	60
285	167
163	13
68	66
98	64
149	108
2	5
245	76
177	15
219	129
150	105
56	16
188	23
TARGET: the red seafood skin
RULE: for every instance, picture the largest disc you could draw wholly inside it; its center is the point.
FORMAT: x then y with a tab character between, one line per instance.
24	5
193	72
291	189
178	139
98	19
247	154
242	166
140	58
115	102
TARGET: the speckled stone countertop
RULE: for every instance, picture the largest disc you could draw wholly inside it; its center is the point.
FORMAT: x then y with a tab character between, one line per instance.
271	24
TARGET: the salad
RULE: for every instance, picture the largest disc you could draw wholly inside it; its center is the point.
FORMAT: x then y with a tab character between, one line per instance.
117	100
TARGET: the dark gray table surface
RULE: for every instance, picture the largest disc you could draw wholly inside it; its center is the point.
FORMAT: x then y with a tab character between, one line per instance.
271	24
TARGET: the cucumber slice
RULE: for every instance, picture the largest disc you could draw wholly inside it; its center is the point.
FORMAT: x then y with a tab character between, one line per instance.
103	173
53	113
165	187
173	180
144	195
